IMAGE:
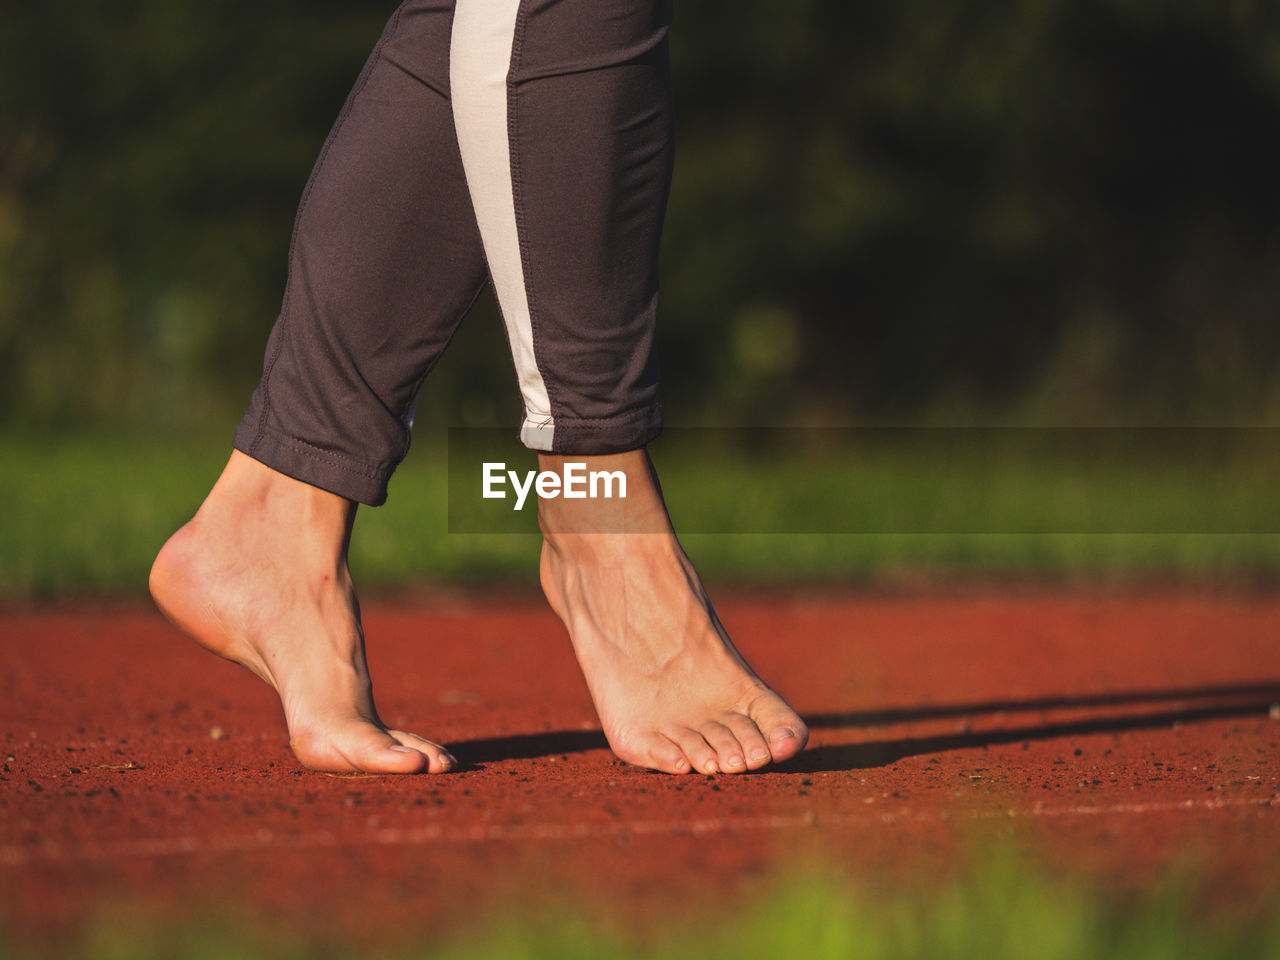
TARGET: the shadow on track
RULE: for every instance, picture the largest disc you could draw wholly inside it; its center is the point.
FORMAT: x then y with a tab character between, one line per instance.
880	753
875	718
1195	704
525	746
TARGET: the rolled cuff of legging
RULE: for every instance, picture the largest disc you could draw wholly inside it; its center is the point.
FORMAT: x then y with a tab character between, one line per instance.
594	437
327	469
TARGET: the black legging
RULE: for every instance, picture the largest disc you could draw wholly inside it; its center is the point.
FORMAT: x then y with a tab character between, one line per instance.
524	140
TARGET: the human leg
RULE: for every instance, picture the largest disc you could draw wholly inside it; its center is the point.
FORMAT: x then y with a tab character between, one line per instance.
565	134
562	109
385	261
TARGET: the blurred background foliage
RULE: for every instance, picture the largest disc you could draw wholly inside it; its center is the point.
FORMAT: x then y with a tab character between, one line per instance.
942	211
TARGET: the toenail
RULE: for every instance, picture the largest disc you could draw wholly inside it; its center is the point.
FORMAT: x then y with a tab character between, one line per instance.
400	748
709	766
736	761
758	755
785	733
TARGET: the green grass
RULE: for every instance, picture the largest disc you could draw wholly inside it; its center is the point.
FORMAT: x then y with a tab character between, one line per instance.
1007	911
85	515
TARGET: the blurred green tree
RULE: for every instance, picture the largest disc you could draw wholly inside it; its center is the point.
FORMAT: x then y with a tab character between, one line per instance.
1048	210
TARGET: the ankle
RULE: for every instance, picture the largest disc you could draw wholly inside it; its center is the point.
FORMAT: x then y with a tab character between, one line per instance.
265	512
630	503
571	551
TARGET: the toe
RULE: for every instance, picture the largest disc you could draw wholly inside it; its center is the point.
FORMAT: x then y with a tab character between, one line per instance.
697	750
785	742
785	732
753	743
359	748
653	750
668	757
729	752
439	760
378	752
395	758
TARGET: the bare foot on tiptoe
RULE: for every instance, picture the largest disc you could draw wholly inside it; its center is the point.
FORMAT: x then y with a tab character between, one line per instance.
259	576
672	692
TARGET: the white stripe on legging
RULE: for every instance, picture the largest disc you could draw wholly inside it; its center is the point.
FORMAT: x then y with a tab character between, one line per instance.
479	61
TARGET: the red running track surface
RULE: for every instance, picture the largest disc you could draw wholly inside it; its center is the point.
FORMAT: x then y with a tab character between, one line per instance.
1120	736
